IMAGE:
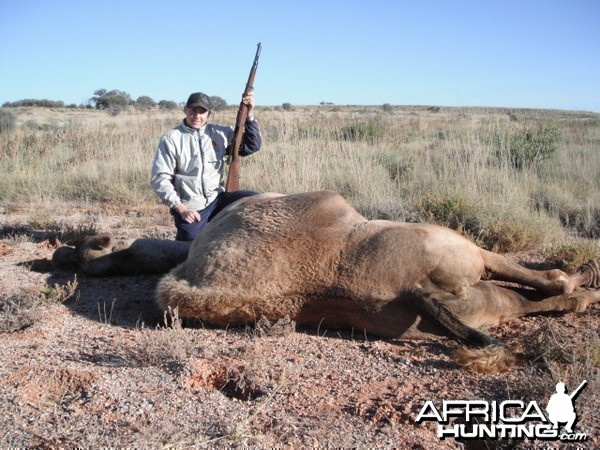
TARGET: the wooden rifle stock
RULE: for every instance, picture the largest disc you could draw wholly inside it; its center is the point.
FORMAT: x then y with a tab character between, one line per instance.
233	175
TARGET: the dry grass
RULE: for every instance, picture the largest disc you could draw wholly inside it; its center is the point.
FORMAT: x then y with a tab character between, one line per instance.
571	254
389	164
18	311
60	293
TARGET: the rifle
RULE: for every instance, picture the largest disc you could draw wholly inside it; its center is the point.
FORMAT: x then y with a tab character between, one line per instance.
233	175
576	391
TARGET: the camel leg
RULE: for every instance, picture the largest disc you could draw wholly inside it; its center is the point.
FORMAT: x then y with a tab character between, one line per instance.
553	281
484	305
488	305
436	310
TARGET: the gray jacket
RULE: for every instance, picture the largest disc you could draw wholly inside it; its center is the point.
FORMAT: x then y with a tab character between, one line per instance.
188	165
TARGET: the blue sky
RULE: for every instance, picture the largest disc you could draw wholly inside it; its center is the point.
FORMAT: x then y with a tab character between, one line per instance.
530	54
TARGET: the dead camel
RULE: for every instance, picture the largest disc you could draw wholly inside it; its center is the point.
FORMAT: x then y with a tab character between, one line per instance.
313	258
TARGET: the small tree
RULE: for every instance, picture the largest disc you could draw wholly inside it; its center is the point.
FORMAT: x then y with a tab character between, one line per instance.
144	102
167	105
113	101
217	103
96	100
287	106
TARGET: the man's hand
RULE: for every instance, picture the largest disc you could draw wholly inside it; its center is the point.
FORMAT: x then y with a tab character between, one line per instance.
188	215
249	101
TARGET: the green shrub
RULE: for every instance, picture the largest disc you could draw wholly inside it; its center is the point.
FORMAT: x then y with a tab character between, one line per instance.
217	103
527	148
313	131
512	234
365	131
451	211
396	164
569	256
114	102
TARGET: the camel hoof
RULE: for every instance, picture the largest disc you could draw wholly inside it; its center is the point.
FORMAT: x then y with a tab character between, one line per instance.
593	270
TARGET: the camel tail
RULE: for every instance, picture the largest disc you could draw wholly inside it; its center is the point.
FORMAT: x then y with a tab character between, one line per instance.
489	359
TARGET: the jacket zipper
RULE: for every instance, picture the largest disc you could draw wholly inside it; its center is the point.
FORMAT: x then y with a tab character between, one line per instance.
202	187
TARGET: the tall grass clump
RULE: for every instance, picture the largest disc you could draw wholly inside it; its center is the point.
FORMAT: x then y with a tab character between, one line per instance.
570	254
7	121
370	131
452	211
529	146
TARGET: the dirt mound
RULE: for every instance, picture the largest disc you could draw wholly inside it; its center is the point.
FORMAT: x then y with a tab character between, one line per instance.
44	385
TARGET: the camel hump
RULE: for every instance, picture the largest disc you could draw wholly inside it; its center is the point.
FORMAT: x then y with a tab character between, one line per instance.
323	209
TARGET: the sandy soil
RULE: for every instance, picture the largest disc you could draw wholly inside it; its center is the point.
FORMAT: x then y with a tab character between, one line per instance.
100	367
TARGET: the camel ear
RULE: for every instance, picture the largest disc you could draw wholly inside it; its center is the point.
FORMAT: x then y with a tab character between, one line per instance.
100	241
105	241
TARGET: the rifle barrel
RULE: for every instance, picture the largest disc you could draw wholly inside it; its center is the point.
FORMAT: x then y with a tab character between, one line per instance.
233	176
579	388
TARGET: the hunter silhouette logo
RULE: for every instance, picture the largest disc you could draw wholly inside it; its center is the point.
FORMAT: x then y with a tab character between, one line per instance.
509	419
560	407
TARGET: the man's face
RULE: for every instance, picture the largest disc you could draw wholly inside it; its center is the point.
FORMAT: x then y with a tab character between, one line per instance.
196	117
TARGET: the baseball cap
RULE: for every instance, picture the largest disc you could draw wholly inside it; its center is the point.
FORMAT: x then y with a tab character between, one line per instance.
198	99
